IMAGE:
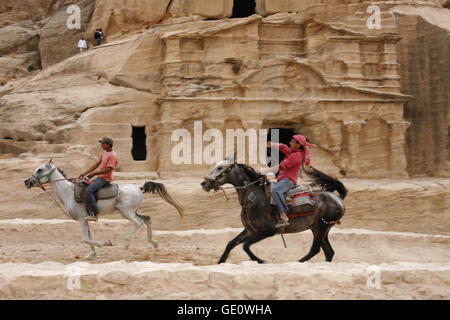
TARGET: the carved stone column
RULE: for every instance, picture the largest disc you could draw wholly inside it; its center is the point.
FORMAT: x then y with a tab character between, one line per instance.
397	158
335	142
353	129
165	144
335	134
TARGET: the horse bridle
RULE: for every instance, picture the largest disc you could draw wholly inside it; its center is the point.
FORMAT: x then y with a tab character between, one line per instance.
220	175
41	184
34	175
225	171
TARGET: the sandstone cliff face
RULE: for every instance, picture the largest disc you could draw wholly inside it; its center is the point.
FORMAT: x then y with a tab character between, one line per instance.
57	42
19	52
118	17
306	66
35	35
12	11
425	48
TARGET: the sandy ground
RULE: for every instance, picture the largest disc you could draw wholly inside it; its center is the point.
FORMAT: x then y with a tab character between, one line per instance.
36	241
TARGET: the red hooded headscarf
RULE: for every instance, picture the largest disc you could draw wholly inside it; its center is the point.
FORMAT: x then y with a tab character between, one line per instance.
302	140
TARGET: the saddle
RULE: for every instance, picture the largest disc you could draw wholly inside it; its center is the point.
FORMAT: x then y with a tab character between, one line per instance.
107	192
299	200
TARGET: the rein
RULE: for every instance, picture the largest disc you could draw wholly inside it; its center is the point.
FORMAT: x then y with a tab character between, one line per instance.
243	187
42	187
233	187
56	201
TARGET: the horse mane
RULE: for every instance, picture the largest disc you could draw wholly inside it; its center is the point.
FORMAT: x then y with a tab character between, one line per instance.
62	172
251	173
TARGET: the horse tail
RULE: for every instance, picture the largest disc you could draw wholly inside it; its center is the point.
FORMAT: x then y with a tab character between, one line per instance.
159	190
325	182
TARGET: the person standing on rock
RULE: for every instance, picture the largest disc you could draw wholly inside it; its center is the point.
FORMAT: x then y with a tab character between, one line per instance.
297	153
107	163
102	36
82	44
98	37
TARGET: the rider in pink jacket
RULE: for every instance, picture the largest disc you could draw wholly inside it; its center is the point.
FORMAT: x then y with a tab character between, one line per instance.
297	154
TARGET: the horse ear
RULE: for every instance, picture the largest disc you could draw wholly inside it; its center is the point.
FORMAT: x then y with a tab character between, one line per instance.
51	161
235	157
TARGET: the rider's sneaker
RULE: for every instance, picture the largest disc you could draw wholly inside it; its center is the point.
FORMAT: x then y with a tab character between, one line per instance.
282	223
91	217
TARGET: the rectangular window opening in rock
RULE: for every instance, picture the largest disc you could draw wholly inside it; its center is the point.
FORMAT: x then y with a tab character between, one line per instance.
139	150
243	8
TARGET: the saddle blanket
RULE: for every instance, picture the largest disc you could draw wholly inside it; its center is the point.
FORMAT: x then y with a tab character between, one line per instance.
300	200
298	196
107	192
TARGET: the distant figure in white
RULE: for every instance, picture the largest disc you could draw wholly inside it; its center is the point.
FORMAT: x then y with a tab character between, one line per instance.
127	202
82	45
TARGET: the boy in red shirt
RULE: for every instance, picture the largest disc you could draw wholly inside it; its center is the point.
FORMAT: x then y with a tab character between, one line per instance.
106	163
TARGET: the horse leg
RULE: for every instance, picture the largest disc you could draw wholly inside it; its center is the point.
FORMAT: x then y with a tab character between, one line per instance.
148	223
137	223
315	248
86	236
233	243
326	246
87	239
255	237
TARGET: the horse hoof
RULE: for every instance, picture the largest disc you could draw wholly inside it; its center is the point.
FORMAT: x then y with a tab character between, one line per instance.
155	245
90	256
261	261
108	243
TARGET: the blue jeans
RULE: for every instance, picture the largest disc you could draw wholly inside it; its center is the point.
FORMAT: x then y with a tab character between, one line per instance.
278	191
96	185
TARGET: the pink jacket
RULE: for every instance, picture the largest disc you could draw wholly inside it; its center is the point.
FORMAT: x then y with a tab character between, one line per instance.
291	164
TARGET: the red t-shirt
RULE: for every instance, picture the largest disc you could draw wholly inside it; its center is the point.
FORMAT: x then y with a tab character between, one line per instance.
108	160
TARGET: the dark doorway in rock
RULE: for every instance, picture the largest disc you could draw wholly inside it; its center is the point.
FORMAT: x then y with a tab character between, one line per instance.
283	135
139	150
243	8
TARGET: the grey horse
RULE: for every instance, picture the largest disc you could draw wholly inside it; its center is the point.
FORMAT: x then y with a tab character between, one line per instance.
127	202
259	216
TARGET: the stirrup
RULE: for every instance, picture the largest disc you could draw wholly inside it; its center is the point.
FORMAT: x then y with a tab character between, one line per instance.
282	223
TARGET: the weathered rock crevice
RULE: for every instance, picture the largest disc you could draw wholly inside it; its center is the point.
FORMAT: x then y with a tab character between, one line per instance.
425	48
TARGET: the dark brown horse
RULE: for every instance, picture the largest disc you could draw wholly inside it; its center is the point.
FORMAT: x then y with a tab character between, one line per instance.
259	216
